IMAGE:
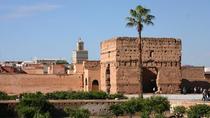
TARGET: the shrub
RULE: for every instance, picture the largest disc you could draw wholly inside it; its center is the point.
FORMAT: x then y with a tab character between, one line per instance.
200	110
4	96
117	109
132	106
154	106
32	105
82	95
117	95
159	104
77	112
179	111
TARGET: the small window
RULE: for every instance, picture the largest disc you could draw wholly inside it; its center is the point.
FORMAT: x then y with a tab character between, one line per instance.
109	54
151	53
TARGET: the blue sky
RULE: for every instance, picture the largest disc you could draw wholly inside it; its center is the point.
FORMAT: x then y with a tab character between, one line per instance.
51	28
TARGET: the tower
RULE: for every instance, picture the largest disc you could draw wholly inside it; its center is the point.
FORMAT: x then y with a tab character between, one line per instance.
80	54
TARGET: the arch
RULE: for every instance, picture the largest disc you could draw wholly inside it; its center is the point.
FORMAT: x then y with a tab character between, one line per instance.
95	85
149	80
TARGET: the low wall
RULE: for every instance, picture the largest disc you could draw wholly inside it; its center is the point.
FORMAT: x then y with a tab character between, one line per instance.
21	83
101	107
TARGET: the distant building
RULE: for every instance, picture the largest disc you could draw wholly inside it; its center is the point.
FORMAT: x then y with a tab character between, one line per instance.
48	61
80	54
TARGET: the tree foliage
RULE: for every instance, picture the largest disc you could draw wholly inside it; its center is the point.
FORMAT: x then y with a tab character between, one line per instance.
5	96
33	105
154	105
197	111
61	62
179	111
82	95
117	109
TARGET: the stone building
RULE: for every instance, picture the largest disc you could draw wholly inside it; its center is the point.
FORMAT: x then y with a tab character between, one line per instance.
161	65
80	54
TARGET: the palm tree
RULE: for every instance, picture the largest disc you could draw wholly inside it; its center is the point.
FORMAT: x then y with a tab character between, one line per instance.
139	17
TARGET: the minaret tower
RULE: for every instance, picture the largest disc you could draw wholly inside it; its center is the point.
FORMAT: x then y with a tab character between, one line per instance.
80	54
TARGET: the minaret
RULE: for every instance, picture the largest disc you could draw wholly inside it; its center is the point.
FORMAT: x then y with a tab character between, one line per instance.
80	54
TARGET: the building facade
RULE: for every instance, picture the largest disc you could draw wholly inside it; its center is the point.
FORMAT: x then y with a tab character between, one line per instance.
161	65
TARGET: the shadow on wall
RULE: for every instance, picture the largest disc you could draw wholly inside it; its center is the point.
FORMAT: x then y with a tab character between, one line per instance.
194	86
149	81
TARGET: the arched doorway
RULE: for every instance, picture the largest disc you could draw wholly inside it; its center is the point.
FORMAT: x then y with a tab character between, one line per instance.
149	80
108	84
95	85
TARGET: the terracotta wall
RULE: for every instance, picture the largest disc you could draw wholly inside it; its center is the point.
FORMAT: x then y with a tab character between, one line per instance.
21	83
91	73
192	73
122	54
194	79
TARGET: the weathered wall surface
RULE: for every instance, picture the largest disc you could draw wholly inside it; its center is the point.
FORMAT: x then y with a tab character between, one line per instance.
207	76
193	73
169	80
92	75
34	68
120	56
58	69
194	78
21	83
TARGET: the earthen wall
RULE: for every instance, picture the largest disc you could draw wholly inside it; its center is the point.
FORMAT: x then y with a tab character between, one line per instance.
21	83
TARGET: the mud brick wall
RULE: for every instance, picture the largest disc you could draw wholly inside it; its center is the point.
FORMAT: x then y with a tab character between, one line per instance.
92	75
21	83
120	57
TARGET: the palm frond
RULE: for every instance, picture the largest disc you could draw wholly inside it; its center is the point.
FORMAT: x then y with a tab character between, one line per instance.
133	13
129	24
139	16
148	20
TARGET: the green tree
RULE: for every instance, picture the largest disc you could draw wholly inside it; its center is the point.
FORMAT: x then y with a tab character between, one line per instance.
198	111
61	62
132	106
138	18
32	105
3	95
179	111
159	104
117	109
154	106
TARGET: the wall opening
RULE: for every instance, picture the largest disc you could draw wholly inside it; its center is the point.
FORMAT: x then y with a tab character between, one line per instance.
151	53
149	80
95	85
85	81
108	84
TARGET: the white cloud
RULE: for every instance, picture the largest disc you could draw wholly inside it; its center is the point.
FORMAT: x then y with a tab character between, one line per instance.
22	11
